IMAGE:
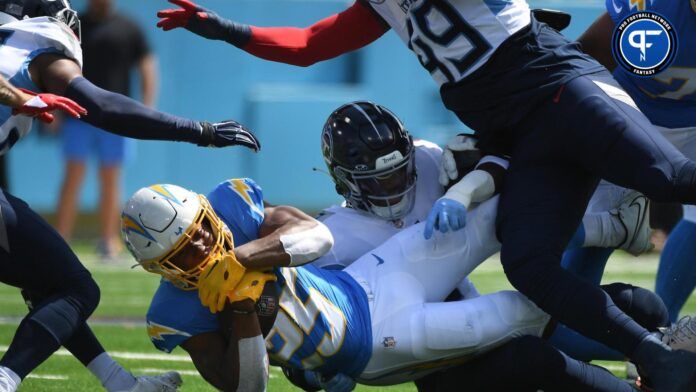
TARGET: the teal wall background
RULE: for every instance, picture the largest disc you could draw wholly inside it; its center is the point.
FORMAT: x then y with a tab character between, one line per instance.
286	106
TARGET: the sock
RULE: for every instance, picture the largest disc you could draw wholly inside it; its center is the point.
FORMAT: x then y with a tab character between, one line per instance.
676	275
603	230
112	375
587	263
7	375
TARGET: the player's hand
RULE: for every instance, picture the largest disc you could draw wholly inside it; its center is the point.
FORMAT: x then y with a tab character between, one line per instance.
195	19
338	383
448	165
228	133
446	215
251	286
218	279
40	106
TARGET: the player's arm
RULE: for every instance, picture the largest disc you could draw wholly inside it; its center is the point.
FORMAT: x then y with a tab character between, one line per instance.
11	96
596	41
287	237
124	116
40	106
234	358
341	33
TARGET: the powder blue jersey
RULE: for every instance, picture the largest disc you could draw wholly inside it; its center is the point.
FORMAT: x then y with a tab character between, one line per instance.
323	321
20	43
667	99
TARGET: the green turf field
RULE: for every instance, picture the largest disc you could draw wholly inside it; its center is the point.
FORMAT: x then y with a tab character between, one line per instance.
118	322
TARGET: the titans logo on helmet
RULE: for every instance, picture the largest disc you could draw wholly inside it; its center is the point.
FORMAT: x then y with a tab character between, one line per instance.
644	43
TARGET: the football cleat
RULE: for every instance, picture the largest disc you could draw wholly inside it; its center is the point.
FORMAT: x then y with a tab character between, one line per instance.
682	335
167	382
634	214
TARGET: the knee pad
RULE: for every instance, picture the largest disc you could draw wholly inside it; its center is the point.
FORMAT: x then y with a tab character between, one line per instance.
642	305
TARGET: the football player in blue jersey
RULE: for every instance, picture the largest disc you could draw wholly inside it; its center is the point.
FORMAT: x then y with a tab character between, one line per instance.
668	99
40	52
528	91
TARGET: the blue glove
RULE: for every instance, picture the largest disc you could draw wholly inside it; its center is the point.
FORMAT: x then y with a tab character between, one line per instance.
446	214
338	383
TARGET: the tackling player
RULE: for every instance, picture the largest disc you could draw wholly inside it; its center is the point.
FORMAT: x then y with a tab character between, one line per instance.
531	93
668	100
40	51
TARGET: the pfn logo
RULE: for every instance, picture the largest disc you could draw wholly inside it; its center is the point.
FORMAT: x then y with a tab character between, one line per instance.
644	43
637	40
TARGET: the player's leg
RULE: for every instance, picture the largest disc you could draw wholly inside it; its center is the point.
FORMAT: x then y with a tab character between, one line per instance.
423	334
587	263
433	268
525	364
539	211
112	151
585	127
644	306
676	275
84	346
35	257
76	141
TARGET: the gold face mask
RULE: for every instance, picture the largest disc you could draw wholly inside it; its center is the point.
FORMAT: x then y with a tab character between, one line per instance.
188	279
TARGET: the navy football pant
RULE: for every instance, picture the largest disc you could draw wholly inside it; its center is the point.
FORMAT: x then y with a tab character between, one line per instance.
35	258
561	150
524	364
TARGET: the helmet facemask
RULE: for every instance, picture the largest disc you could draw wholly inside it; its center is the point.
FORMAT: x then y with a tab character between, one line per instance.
387	192
222	242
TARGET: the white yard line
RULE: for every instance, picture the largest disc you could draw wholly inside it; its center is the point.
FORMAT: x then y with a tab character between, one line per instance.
130	355
182	372
48	376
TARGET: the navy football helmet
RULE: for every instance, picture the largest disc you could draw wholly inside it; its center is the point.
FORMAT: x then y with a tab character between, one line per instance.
20	9
371	158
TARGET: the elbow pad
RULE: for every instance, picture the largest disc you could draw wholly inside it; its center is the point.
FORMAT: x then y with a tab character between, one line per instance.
475	187
307	245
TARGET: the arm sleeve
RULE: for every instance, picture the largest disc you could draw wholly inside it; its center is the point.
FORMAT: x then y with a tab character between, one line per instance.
123	116
338	34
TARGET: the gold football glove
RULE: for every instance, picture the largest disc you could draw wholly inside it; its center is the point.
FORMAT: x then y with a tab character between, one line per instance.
218	279
251	286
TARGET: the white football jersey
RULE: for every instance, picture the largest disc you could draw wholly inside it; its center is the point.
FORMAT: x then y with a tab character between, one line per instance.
356	232
453	38
20	43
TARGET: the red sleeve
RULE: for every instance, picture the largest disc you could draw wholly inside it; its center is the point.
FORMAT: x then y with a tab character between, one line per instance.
338	34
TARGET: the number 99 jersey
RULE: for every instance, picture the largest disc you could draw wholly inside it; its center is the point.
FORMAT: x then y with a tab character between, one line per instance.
20	43
323	321
453	38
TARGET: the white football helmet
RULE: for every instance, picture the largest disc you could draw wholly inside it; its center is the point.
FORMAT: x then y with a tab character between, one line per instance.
159	221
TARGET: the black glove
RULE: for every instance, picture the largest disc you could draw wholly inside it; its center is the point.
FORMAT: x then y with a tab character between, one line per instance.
227	133
203	22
